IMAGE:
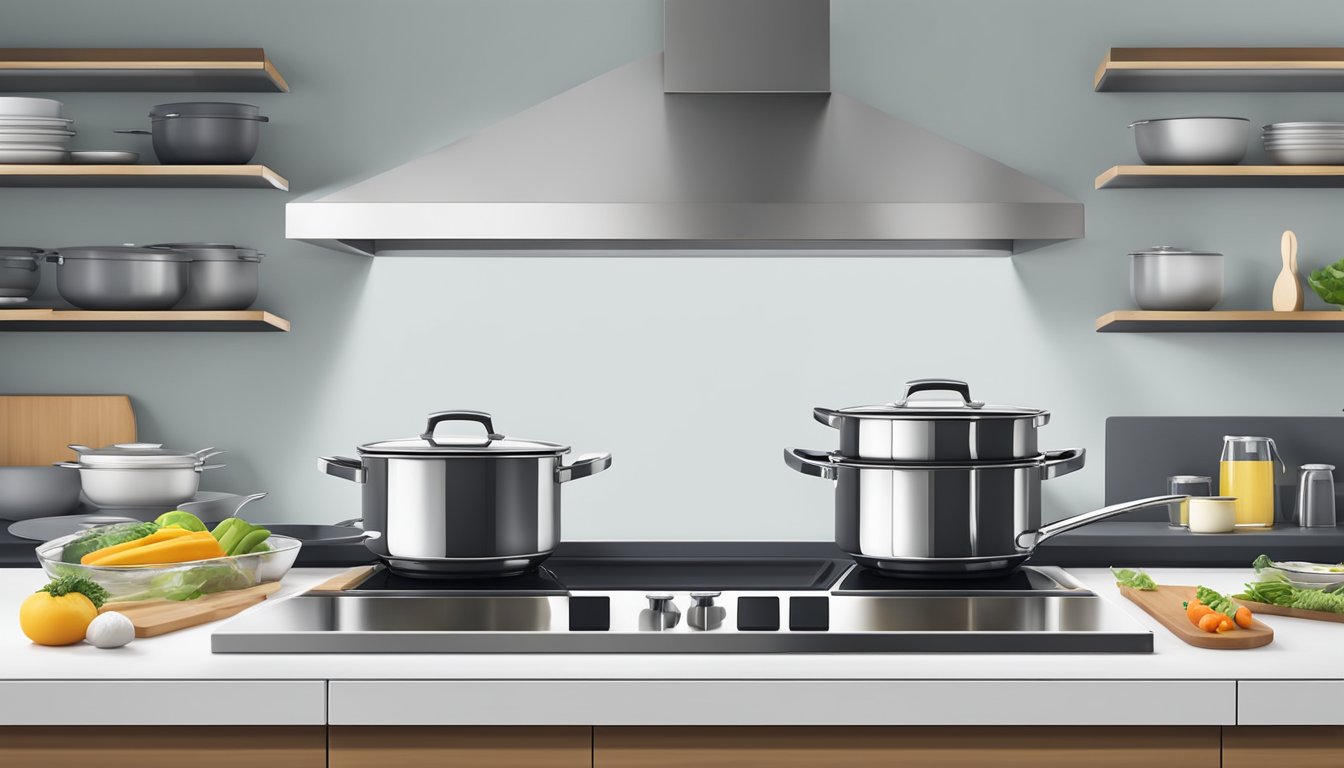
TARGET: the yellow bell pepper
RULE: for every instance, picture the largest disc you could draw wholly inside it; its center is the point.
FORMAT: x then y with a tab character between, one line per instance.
180	549
163	534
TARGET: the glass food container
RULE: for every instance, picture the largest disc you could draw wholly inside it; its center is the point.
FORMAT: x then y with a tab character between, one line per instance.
1246	473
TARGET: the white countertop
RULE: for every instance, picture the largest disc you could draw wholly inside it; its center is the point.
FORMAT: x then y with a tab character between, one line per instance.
1175	683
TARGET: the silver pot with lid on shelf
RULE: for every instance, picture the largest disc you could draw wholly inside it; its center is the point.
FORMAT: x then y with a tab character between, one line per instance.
462	505
121	277
139	474
1167	278
222	276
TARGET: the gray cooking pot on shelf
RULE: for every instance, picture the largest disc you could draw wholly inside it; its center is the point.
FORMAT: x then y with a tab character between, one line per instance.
459	505
204	133
222	276
121	277
948	519
959	429
20	273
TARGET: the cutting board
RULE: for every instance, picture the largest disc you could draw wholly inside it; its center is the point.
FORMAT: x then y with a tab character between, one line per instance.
1167	605
159	617
1297	613
35	429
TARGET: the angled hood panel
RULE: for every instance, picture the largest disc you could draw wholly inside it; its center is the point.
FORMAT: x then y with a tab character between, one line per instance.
615	164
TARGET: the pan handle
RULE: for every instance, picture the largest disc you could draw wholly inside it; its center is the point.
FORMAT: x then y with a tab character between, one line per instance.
342	467
1059	463
1029	540
814	463
585	465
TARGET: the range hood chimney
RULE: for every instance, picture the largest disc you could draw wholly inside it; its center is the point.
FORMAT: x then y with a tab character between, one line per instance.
728	143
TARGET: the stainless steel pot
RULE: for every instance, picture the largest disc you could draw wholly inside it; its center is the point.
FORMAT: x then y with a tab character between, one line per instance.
973	519
30	492
222	276
935	430
207	133
139	474
19	273
462	505
1192	140
1168	278
121	277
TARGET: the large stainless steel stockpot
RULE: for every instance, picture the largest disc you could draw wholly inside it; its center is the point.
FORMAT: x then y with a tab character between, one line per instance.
457	505
936	430
930	519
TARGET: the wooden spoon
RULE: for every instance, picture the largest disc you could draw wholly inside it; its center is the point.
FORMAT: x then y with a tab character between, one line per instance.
1287	287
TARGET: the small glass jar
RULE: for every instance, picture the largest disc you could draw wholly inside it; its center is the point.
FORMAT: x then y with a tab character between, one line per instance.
1186	485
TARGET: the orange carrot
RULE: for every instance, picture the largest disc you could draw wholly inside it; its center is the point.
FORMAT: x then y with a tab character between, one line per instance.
1210	622
1243	617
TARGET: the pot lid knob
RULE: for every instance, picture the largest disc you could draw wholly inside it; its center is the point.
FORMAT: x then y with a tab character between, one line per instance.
479	417
939	385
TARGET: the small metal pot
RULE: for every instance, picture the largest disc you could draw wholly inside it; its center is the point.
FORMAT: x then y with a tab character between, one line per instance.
139	474
1192	140
121	277
204	133
222	276
920	520
30	492
19	273
462	505
1175	279
935	430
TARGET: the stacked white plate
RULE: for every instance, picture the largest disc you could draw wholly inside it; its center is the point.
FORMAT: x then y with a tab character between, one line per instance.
1304	143
34	131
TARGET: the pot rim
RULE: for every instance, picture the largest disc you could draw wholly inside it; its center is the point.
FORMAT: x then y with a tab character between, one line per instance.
1035	460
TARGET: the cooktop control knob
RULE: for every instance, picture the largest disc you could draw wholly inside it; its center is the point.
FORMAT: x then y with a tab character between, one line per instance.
661	614
705	615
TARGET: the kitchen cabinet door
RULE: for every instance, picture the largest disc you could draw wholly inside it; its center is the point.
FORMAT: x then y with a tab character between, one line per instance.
907	747
360	746
271	746
1307	746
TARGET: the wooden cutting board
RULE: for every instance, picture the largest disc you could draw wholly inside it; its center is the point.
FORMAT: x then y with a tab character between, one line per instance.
35	429
159	617
1297	613
1167	605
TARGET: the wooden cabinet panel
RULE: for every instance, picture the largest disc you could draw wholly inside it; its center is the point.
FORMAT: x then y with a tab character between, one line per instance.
1311	746
270	746
460	747
907	747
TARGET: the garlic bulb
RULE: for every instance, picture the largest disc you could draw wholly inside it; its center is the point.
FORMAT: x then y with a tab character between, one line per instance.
110	630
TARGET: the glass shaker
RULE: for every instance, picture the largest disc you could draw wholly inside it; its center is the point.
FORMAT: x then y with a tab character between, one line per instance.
1246	473
1185	485
1316	496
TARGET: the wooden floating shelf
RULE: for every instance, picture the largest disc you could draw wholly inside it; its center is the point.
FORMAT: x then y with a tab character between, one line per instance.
1246	176
248	320
24	70
1137	321
75	175
1221	69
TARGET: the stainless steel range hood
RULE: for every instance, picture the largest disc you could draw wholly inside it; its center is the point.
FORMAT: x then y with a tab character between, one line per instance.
728	143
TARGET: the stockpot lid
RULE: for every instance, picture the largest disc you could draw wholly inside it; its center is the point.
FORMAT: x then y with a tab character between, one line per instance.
489	444
118	253
959	407
136	456
1171	250
211	251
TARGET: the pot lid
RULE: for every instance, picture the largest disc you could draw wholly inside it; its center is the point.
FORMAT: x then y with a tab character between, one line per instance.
489	444
136	456
961	406
212	251
1171	250
119	253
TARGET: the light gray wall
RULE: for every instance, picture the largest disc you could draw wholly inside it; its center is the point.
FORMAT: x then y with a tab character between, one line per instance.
695	373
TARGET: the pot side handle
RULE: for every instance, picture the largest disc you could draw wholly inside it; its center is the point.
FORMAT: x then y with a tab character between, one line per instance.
1029	540
827	416
814	463
583	466
342	467
1058	463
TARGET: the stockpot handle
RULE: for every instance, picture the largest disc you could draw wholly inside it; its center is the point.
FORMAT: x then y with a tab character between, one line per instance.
814	463
480	417
827	416
342	467
1029	540
203	467
939	385
1058	463
583	466
68	465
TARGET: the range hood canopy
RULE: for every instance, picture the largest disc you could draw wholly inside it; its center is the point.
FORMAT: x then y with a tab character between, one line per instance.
728	143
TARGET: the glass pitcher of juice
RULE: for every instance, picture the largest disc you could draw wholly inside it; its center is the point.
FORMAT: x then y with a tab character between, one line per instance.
1246	472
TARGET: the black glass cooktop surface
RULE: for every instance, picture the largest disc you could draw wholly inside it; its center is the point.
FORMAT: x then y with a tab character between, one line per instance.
865	581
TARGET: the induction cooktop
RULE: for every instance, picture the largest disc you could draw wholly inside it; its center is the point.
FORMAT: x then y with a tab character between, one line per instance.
692	604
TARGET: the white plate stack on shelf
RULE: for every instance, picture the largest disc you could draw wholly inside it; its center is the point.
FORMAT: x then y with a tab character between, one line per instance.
32	131
1304	143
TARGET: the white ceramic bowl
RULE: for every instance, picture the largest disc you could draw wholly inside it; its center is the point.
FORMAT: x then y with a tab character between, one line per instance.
1213	514
27	106
1311	573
